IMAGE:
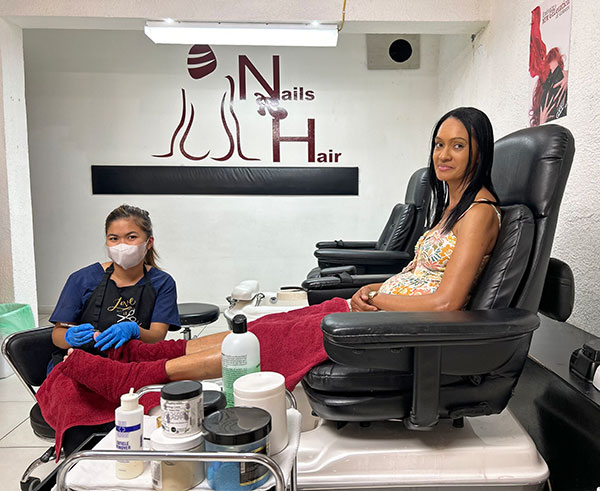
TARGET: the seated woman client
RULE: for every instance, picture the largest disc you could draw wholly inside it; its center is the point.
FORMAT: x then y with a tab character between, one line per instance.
126	298
448	259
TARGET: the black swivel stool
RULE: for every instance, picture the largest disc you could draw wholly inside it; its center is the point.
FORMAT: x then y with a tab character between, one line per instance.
195	314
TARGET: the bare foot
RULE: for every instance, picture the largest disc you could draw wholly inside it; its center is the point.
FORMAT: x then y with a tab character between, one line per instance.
69	351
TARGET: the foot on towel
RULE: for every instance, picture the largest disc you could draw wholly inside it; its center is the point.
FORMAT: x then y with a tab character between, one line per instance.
110	378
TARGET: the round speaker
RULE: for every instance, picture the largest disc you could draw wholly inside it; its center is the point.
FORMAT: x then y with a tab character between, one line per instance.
400	50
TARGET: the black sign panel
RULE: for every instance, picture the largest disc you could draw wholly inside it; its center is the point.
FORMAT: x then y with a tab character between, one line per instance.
150	179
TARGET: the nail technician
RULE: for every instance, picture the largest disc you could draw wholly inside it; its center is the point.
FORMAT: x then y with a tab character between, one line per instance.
126	298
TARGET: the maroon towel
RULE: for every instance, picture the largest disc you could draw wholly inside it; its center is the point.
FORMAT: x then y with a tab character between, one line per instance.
291	343
85	389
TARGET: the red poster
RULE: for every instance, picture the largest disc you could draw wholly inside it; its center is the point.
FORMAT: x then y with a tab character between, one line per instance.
549	60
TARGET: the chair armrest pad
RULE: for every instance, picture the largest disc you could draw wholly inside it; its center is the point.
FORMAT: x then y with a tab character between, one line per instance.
346	244
358	256
343	281
372	330
337	270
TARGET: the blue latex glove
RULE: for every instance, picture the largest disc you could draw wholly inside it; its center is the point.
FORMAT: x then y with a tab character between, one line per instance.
79	335
117	335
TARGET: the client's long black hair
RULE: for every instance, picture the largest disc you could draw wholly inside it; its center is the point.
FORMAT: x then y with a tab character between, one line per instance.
478	175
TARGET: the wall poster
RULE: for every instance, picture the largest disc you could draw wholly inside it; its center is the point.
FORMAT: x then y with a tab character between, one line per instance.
549	60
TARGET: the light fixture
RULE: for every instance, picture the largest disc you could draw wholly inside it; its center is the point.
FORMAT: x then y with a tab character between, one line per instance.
242	34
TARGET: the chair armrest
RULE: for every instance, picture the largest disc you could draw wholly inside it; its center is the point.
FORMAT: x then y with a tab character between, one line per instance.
343	280
411	329
358	256
481	342
335	270
346	244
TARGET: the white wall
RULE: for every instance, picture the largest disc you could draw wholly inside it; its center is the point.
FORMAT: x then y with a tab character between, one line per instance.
112	97
17	271
492	74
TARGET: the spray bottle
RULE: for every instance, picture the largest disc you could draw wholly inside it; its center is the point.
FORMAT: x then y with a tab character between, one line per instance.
240	355
129	421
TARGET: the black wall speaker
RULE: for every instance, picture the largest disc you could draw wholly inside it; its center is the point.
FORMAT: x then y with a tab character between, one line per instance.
393	51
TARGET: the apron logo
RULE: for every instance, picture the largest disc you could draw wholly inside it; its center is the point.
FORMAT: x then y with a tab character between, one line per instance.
124	309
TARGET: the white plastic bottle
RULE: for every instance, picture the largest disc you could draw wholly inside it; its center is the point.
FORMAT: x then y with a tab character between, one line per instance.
129	423
240	355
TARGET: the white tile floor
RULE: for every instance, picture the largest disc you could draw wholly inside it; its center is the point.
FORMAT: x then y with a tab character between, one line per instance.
18	445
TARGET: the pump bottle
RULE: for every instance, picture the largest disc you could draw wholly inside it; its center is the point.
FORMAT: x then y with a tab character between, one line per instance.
240	355
129	421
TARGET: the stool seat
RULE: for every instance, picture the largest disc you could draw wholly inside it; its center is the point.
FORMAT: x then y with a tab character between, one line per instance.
191	314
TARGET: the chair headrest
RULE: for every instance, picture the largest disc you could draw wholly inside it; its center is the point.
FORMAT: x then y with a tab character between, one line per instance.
558	295
531	166
418	191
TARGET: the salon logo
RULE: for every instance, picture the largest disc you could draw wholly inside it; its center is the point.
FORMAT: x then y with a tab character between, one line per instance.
124	308
270	103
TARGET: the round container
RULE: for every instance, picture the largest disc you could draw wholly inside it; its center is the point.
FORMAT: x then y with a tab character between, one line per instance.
176	475
181	407
265	390
242	430
213	401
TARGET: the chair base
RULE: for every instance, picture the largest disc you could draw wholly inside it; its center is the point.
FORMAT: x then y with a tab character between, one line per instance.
492	452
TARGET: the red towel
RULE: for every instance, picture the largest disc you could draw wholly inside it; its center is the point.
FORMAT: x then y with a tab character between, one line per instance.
291	343
85	389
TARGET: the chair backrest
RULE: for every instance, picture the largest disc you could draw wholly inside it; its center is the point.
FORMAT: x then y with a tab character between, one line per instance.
530	171
407	220
29	352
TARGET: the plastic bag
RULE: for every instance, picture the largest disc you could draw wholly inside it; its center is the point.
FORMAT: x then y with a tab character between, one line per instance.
14	317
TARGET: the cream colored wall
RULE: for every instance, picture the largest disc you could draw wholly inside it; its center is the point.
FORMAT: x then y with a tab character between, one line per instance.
113	97
17	268
492	73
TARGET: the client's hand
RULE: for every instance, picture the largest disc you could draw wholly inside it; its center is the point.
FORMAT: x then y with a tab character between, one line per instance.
359	301
79	335
117	335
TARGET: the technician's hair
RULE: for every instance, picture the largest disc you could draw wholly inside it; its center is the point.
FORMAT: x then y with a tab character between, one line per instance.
142	220
478	173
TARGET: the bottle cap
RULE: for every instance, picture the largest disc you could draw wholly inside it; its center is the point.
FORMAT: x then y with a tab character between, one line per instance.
129	401
183	389
259	385
162	441
213	401
237	426
239	324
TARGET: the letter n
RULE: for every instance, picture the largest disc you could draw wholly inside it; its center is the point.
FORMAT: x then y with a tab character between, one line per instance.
244	62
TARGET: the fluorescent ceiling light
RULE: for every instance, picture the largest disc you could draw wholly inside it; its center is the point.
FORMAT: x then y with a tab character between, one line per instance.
242	34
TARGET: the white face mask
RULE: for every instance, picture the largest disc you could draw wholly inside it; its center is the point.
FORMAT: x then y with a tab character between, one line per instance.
127	255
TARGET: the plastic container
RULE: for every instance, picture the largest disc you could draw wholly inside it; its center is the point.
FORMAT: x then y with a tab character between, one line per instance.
182	408
213	401
242	430
14	317
176	475
240	355
129	425
265	390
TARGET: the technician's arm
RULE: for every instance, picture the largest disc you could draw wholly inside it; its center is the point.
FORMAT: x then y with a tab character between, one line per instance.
58	335
157	332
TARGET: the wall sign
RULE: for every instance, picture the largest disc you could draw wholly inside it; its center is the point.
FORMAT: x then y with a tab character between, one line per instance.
549	60
328	178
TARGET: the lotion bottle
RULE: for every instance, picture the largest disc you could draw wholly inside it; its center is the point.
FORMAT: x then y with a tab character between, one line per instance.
240	355
129	421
